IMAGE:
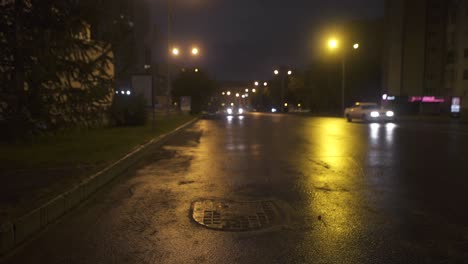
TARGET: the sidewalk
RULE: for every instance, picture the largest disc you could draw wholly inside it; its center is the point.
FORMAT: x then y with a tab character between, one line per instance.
35	172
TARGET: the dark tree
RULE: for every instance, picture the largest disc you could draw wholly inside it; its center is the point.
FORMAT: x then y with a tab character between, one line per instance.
197	85
52	73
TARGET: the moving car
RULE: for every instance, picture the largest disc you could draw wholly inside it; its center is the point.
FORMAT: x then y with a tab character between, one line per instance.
234	110
367	111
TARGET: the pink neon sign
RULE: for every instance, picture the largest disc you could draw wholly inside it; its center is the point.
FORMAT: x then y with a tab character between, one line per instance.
432	99
426	99
415	99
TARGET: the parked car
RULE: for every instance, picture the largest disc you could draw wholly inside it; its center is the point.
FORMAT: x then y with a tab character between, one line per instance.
367	111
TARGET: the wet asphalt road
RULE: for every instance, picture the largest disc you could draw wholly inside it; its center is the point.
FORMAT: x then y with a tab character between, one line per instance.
357	193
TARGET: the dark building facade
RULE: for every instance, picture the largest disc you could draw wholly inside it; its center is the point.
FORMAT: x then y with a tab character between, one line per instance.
426	52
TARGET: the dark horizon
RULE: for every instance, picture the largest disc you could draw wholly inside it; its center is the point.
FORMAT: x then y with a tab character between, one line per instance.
246	40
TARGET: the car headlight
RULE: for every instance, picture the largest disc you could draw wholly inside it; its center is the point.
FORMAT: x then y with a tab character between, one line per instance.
390	114
374	114
229	111
241	111
273	110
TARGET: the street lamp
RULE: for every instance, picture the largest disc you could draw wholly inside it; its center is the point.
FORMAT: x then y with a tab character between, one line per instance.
228	93
256	83
254	90
237	94
265	84
333	45
195	51
246	90
283	74
196	70
175	51
223	93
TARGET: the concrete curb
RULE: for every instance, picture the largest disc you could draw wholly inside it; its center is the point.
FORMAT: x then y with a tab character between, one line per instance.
16	233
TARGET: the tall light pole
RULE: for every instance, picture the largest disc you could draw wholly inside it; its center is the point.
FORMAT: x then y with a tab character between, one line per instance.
174	51
284	76
258	86
333	44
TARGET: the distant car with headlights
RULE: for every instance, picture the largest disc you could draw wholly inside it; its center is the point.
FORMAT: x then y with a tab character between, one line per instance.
368	112
234	110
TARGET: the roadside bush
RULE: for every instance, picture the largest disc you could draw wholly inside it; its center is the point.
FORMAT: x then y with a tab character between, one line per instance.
129	110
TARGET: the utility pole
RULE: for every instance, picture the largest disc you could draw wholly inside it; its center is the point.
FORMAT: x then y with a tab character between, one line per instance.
168	90
343	81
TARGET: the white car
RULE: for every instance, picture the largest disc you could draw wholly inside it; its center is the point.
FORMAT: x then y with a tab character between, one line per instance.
368	112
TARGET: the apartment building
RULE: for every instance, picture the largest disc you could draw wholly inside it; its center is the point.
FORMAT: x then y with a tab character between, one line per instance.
426	53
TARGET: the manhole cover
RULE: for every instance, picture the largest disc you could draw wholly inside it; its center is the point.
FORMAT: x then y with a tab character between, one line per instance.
235	216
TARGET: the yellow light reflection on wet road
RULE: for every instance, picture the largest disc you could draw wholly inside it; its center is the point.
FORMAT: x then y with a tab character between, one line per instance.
335	178
331	177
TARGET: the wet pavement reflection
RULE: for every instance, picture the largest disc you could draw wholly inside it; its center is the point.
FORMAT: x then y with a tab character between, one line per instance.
353	193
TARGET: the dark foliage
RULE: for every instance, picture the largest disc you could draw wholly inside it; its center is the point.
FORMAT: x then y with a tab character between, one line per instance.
52	75
197	85
129	110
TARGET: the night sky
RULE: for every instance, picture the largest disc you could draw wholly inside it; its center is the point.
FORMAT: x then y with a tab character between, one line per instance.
247	39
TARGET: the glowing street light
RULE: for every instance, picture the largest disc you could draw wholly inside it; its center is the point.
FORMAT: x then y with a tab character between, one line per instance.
195	51
223	93
175	51
265	84
289	72
237	94
276	72
256	83
228	93
254	90
246	90
333	44
196	69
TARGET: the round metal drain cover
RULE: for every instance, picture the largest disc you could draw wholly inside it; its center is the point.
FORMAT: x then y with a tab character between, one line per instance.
235	216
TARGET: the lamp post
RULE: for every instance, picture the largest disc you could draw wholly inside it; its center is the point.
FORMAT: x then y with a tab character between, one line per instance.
333	44
258	86
173	52
284	76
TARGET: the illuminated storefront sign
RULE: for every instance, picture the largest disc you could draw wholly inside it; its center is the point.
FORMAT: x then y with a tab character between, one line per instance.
456	105
426	99
432	99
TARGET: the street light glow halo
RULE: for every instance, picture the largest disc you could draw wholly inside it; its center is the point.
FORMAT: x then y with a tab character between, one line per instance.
333	43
